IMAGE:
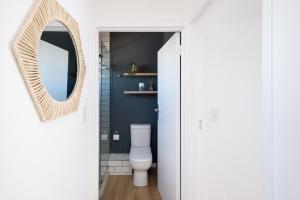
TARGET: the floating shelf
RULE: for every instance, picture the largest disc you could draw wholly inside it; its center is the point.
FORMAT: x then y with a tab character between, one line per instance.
140	92
140	74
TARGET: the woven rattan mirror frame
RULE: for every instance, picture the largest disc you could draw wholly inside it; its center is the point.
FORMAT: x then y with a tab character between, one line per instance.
25	49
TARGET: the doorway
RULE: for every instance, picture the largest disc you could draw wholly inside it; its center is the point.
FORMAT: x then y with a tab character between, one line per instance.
122	102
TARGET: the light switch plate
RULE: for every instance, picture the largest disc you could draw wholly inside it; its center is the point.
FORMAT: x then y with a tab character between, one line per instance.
214	115
200	124
84	113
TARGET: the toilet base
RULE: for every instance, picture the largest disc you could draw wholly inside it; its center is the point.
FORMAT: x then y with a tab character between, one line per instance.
140	178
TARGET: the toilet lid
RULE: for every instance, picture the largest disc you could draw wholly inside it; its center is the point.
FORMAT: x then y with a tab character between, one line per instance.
139	154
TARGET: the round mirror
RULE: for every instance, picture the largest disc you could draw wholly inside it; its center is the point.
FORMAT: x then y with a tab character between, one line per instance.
57	61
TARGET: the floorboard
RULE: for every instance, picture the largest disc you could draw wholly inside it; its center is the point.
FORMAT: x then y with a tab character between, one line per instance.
122	188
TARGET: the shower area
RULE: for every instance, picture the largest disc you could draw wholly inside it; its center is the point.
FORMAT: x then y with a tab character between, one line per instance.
104	70
111	162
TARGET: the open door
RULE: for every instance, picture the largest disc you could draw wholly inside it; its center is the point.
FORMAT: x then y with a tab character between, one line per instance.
168	161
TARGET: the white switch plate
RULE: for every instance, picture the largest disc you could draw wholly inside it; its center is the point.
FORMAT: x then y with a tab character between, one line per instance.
214	115
200	124
84	113
116	137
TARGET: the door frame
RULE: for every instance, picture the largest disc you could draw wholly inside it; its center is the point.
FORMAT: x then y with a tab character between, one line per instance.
182	31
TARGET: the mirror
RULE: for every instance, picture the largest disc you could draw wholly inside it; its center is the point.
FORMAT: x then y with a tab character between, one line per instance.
49	55
57	61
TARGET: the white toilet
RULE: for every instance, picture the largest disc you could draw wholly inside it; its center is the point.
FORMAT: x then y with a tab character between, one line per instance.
140	156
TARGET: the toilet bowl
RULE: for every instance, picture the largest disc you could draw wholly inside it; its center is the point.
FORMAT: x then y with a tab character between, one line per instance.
140	156
140	159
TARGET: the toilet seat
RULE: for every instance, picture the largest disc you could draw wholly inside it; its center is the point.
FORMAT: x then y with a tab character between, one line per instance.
140	154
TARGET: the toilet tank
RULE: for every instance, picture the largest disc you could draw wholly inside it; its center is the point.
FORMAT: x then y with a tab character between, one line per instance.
140	135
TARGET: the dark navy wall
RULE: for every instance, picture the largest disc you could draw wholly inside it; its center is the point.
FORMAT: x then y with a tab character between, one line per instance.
141	49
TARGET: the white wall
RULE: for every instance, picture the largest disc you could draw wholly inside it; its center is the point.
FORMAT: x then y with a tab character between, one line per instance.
224	59
54	160
286	99
144	13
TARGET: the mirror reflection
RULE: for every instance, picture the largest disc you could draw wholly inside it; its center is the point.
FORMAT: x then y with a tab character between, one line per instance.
57	61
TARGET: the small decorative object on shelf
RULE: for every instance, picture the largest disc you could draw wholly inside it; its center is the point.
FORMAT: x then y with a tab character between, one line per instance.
151	81
141	86
133	68
140	92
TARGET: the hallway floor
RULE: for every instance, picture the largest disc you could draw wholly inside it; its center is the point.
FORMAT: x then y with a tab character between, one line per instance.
122	188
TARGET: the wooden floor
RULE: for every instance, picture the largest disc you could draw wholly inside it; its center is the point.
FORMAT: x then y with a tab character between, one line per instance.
122	188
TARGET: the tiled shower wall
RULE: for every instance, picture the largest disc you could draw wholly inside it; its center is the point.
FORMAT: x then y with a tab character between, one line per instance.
104	103
118	164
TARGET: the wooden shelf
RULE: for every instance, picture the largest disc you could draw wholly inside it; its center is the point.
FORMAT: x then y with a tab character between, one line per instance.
140	92
140	74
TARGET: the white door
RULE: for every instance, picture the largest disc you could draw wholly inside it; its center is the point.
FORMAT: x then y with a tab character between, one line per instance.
168	163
